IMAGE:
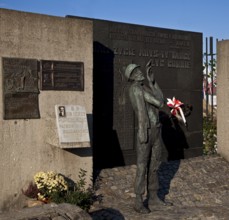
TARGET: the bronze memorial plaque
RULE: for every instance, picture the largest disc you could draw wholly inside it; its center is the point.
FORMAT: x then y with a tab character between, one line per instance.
20	85
21	106
62	75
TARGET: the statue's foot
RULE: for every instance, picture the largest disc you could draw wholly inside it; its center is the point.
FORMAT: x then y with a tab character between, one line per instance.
139	206
158	202
141	209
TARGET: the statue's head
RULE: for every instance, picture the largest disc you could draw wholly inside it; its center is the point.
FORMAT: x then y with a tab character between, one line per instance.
133	72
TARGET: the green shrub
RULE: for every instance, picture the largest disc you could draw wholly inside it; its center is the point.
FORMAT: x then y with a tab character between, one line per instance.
83	199
77	194
209	136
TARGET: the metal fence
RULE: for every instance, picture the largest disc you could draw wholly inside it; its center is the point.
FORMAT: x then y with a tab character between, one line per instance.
209	78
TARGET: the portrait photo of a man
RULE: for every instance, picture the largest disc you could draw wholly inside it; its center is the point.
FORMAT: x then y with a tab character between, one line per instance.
62	112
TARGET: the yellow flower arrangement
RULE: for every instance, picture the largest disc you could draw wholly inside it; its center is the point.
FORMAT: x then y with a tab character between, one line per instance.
49	182
54	187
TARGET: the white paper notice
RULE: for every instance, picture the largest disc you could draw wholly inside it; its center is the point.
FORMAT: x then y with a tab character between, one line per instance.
72	124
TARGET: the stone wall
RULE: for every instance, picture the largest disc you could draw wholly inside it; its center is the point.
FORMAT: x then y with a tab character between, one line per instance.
222	98
31	145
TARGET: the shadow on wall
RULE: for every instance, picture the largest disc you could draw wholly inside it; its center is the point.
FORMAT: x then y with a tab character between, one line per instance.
106	147
90	126
173	137
82	152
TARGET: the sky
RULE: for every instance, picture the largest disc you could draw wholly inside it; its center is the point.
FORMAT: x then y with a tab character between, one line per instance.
209	17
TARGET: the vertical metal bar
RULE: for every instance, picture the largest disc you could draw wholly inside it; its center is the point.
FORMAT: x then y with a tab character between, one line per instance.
206	77
212	73
216	73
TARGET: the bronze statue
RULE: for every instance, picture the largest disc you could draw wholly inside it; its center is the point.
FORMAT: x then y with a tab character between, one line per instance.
146	102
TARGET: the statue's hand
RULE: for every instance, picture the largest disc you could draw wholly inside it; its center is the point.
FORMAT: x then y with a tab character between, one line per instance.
150	76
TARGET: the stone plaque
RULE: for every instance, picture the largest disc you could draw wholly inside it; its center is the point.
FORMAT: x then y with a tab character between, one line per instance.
72	124
20	88
21	106
61	75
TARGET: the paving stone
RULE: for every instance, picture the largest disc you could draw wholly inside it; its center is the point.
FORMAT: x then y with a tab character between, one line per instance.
196	187
59	218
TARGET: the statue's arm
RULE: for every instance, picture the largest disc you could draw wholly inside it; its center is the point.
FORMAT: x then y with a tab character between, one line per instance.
138	99
155	89
159	93
153	100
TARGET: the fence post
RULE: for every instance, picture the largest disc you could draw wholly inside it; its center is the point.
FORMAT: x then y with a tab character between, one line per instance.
206	77
212	75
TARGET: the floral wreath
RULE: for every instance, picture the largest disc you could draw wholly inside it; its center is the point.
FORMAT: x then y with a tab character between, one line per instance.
176	109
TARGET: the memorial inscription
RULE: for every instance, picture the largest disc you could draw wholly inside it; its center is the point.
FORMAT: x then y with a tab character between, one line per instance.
72	124
20	88
61	75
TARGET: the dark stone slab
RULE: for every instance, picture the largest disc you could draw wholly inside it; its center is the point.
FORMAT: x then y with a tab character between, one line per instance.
177	63
61	75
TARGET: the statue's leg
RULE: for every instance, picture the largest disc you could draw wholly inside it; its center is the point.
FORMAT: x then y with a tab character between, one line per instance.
155	161
143	152
153	183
